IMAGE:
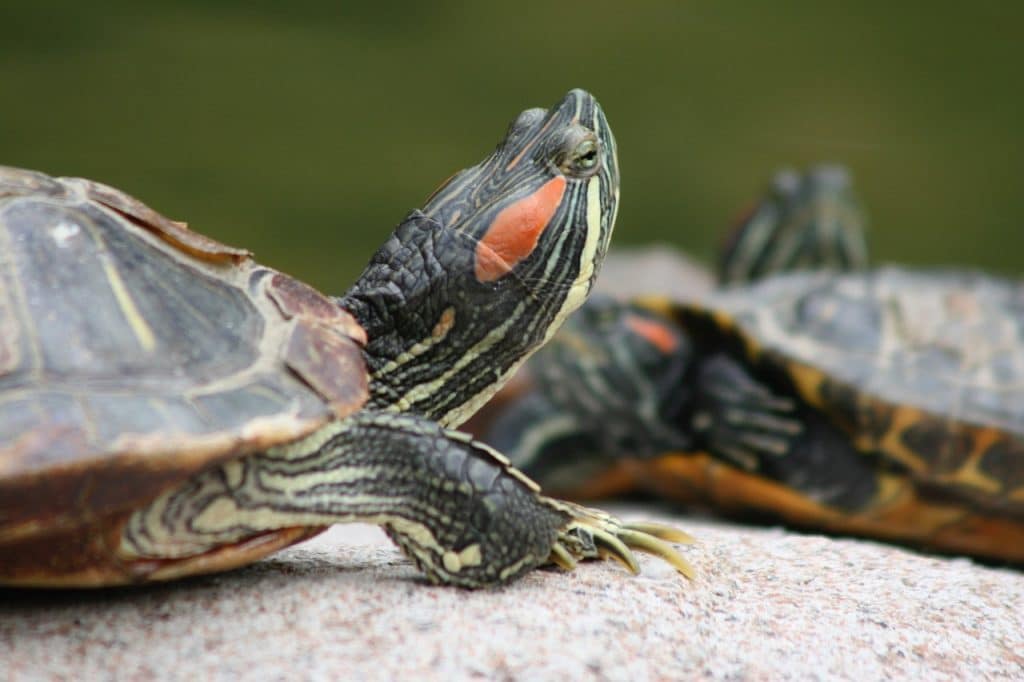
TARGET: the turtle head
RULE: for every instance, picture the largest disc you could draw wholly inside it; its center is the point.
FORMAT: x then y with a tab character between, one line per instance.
803	221
483	275
541	207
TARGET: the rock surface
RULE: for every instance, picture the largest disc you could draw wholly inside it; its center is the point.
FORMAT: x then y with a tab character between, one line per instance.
767	604
662	269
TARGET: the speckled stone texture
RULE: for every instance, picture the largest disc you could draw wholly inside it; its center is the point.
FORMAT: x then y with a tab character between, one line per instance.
767	605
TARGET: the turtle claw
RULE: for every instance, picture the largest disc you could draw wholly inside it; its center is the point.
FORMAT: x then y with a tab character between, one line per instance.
653	544
608	545
561	557
661	532
594	534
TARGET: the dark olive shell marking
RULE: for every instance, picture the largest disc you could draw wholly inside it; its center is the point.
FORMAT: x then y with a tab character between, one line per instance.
134	352
924	369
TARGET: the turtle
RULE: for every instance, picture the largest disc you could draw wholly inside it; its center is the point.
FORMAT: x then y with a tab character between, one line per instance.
170	407
809	219
883	402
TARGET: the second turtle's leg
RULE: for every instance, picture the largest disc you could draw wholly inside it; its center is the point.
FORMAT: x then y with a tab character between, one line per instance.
454	506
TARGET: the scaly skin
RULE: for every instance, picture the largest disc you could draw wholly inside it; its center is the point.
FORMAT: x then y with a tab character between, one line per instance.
460	295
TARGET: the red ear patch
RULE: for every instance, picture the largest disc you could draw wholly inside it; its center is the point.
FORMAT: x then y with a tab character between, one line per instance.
514	233
659	335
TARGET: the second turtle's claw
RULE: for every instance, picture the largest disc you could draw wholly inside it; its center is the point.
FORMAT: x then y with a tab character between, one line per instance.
592	534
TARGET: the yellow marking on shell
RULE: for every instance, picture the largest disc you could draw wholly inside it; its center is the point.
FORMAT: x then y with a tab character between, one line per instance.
440	331
888	492
892	443
969	473
131	313
656	304
903	514
807	381
467	557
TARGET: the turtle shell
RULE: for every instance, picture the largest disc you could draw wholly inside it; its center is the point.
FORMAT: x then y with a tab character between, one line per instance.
923	369
135	352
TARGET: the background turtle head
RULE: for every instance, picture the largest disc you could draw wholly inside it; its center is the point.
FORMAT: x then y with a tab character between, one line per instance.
484	274
803	221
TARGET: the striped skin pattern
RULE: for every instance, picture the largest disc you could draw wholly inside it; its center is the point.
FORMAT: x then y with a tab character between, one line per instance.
133	350
925	368
436	355
885	403
432	490
813	220
237	427
450	311
455	506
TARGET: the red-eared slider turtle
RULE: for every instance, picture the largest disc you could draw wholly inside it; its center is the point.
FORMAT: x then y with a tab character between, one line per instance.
169	407
886	403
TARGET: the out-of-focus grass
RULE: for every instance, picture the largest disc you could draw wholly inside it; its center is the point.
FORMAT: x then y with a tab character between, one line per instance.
306	130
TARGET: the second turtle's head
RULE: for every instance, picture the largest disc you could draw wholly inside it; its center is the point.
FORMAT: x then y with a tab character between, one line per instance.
804	221
488	270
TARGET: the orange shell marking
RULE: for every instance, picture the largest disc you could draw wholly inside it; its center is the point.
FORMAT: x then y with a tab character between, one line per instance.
514	233
657	334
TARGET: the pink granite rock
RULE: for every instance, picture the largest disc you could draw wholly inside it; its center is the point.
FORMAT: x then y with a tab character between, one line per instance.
767	604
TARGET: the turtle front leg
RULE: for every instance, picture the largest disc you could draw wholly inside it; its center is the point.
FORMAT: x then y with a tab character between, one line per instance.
456	507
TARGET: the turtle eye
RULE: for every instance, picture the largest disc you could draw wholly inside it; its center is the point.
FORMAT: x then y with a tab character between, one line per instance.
585	155
579	155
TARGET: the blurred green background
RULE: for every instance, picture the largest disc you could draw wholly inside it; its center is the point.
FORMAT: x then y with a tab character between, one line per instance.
305	130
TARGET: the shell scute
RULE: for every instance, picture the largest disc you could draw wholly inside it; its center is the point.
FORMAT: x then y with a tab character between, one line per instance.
134	352
925	369
172	231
